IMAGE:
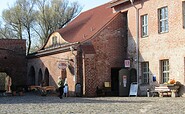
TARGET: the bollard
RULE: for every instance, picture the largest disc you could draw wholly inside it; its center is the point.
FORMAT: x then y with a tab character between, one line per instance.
148	93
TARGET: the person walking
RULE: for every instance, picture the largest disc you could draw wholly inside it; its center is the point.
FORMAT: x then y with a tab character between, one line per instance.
60	87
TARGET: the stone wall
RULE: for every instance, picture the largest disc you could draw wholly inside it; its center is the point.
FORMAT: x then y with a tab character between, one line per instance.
13	59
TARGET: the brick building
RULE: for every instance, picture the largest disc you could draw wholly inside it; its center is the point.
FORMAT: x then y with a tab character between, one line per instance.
156	38
13	60
90	51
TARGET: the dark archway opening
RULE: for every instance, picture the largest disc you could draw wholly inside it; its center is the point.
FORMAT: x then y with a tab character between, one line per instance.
115	81
133	75
46	77
40	77
31	77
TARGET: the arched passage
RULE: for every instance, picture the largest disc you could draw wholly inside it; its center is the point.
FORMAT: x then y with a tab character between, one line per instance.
40	77
133	75
31	76
46	77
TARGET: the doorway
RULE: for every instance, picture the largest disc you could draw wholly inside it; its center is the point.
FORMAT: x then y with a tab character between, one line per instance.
115	81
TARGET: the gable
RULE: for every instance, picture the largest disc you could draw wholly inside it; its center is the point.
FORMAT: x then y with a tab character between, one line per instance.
54	40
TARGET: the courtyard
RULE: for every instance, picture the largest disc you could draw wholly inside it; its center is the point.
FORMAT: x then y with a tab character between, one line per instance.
51	104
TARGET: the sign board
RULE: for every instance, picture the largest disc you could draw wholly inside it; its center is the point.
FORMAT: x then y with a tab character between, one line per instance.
127	63
62	65
124	80
133	89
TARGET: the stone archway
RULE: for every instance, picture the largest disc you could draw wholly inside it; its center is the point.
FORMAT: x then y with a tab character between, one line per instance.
46	77
40	77
133	75
31	76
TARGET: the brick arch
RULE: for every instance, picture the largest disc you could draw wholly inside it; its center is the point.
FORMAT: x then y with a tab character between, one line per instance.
46	77
40	77
31	76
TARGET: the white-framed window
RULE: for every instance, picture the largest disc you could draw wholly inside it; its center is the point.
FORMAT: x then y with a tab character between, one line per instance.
54	40
164	71
145	72
183	13
144	25
163	19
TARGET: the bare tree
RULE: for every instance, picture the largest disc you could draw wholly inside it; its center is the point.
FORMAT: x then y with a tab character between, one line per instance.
6	33
37	18
55	14
12	18
28	17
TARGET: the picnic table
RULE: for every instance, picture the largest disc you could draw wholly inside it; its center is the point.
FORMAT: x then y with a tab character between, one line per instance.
168	90
43	89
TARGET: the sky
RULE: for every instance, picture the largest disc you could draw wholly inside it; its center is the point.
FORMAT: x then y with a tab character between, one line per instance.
86	4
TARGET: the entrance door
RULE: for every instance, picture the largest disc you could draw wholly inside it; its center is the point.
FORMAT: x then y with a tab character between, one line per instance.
115	81
124	82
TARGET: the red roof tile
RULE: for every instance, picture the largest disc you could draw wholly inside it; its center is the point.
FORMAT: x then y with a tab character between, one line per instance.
87	24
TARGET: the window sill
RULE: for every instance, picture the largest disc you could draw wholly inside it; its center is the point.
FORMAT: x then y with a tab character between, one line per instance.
163	32
144	37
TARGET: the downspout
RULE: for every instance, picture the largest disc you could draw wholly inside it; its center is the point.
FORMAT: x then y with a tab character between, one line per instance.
75	63
137	38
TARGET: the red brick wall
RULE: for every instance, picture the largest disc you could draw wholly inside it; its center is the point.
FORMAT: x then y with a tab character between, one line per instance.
13	59
110	51
158	46
92	69
50	62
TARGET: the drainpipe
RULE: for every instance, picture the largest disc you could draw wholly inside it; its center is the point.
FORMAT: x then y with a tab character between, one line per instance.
75	69
137	38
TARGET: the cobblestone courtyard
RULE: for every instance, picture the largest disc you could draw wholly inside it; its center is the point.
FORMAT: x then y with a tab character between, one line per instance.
35	104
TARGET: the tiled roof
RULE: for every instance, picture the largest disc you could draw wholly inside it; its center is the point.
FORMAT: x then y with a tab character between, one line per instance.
87	24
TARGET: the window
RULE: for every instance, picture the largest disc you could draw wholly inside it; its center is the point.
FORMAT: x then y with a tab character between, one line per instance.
183	13
54	40
163	19
165	71
144	25
145	72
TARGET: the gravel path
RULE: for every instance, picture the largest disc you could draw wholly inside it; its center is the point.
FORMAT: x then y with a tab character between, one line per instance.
35	104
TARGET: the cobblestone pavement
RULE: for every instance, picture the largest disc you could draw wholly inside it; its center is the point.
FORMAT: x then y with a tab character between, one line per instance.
35	104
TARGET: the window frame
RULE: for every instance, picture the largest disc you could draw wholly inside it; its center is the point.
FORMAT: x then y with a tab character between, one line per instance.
54	40
145	72
165	70
183	14
163	19
144	25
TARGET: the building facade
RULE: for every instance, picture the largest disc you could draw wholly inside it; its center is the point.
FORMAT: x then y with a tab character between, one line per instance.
156	38
89	51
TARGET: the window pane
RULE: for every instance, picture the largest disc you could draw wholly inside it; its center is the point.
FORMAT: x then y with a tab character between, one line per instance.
165	70
163	19
145	72
144	25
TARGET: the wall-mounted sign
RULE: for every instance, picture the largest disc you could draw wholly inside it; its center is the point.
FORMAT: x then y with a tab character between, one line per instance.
62	65
127	63
124	80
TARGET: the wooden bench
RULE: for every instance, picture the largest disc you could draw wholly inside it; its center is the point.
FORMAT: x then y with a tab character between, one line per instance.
161	91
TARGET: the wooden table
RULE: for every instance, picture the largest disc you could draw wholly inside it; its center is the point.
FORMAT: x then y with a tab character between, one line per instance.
166	89
43	90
